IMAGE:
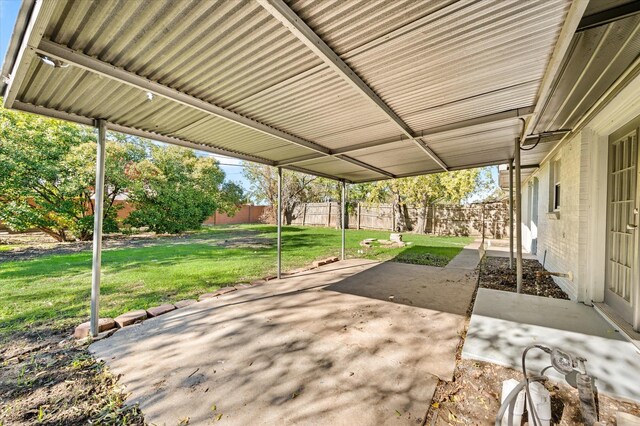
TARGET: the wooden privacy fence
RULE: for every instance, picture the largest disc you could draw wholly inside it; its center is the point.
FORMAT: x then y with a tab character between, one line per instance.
488	219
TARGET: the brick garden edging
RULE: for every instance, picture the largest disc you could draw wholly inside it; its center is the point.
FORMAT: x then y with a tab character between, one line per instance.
108	326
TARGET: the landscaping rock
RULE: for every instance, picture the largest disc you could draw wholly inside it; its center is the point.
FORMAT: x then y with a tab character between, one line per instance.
206	296
258	282
160	310
331	259
224	290
397	238
318	263
219	292
131	317
84	329
184	303
271	277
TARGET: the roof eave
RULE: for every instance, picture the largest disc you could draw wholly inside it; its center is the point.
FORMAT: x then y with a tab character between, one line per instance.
14	43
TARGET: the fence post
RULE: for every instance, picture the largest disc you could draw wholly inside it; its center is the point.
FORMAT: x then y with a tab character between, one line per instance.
329	214
393	218
433	219
304	213
358	216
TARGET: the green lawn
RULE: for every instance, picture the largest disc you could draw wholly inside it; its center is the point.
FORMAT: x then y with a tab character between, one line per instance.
58	287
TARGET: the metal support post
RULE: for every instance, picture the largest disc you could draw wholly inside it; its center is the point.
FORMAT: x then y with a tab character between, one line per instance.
344	218
511	214
518	222
97	227
279	222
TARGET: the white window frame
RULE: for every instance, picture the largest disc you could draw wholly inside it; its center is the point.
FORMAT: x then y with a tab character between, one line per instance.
555	186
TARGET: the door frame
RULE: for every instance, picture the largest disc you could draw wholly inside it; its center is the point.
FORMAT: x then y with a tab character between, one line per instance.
613	300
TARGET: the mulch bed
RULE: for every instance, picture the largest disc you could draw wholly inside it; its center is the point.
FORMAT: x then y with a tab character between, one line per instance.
496	275
47	378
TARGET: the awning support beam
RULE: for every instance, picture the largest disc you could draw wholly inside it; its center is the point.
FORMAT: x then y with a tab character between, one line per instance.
97	227
296	25
610	15
486	119
80	60
91	64
279	222
61	115
366	166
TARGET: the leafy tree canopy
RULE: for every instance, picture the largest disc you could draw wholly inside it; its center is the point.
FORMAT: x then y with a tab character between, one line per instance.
47	178
47	174
173	190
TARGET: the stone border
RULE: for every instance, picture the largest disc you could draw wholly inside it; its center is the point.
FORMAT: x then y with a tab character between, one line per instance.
108	326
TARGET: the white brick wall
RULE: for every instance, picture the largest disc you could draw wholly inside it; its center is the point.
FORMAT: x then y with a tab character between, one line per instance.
560	236
576	240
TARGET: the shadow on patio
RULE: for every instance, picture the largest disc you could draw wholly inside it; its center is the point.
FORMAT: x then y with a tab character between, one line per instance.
327	346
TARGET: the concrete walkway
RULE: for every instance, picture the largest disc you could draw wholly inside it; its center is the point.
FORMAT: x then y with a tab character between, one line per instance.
504	323
352	343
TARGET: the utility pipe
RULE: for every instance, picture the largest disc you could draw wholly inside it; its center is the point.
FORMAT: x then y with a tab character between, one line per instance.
97	227
279	222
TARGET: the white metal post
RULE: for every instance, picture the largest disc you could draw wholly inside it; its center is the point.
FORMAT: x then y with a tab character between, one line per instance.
518	222
97	226
279	222
344	218
511	214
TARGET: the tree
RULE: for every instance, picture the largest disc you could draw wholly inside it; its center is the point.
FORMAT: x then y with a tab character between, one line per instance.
296	188
173	190
421	191
47	174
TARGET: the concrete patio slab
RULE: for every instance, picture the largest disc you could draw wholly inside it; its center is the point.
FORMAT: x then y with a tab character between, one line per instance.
504	323
500	248
322	347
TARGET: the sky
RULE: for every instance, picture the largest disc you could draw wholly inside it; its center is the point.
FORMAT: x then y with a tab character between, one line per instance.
231	166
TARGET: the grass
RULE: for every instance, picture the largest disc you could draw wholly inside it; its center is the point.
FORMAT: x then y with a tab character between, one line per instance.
58	287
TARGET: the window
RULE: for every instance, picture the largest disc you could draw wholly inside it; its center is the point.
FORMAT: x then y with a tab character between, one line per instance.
554	187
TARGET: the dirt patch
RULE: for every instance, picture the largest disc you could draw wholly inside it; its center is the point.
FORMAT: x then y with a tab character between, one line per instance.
473	398
35	245
497	275
47	378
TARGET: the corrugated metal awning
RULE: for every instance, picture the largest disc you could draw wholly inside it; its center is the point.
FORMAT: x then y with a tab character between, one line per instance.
356	90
